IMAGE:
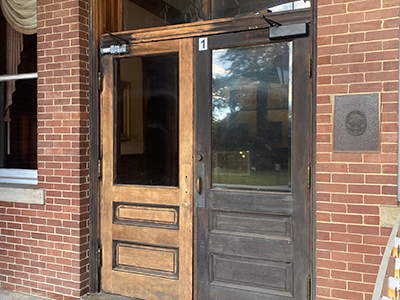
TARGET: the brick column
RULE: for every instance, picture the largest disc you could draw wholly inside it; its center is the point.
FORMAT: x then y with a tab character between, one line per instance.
358	48
44	248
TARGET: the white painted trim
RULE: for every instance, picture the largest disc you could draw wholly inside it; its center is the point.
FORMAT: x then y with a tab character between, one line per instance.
19	176
20	186
4	78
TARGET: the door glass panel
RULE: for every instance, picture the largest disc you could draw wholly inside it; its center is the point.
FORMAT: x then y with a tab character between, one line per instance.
140	14
147	120
233	8
251	117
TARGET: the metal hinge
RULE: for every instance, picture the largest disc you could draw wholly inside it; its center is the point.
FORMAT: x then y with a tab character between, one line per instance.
309	176
309	287
115	49
100	83
99	168
99	257
310	65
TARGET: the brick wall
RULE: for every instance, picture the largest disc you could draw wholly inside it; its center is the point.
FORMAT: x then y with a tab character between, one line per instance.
357	53
44	248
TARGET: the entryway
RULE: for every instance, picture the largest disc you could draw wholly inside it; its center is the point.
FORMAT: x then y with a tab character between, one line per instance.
206	152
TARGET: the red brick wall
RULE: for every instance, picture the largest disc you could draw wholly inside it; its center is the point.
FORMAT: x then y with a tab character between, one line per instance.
358	50
44	248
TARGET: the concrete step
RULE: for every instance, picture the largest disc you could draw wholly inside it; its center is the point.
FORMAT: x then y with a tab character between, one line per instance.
11	295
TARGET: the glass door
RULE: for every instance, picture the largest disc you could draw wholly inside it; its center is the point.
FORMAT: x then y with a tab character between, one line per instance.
147	183
253	145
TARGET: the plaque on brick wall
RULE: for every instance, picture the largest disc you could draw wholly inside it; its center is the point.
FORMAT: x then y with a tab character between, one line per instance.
356	123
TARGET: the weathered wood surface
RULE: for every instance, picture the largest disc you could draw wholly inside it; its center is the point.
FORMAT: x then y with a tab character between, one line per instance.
226	238
149	255
213	27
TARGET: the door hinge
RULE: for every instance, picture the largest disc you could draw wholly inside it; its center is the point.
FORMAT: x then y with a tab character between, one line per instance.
309	287
99	257
310	65
309	176
99	168
100	79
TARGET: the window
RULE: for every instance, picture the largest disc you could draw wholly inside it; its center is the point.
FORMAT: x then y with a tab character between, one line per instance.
18	105
139	14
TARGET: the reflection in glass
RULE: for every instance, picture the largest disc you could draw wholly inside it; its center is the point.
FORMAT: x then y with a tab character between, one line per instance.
251	117
147	120
140	14
233	8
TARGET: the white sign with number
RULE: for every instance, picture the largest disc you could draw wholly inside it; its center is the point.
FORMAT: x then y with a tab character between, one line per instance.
203	44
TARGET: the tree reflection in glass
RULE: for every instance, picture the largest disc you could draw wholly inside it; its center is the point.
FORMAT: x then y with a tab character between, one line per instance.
251	117
234	8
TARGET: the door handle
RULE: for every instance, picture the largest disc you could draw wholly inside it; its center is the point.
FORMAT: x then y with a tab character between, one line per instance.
200	195
199	185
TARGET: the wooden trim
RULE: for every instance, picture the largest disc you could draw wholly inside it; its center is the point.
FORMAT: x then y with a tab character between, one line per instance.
120	15
243	23
106	104
207	9
302	139
186	132
313	209
112	15
95	27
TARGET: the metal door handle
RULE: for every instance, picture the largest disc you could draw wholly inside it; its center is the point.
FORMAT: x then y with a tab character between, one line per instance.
199	185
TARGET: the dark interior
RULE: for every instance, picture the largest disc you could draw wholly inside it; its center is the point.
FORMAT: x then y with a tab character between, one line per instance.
23	111
158	162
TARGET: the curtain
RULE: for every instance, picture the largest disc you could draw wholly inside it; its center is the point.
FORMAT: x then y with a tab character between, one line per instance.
15	43
21	19
20	14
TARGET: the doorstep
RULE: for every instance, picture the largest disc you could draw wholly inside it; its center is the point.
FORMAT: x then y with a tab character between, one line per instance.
11	295
103	296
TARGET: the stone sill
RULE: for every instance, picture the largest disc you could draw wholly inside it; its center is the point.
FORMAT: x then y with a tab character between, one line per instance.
388	215
21	193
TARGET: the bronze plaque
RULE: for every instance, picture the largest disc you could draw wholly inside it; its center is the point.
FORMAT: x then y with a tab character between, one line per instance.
356	123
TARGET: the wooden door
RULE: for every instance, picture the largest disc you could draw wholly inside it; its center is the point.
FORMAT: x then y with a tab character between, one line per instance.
147	179
253	146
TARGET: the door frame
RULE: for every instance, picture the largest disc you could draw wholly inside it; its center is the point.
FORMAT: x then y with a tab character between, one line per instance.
98	25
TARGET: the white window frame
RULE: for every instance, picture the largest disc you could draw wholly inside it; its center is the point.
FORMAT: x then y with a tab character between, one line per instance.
20	185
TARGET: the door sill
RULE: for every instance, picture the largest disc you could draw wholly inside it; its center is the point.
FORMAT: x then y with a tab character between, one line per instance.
105	296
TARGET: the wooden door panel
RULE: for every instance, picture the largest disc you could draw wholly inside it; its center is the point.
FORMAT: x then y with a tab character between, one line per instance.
281	204
155	195
229	292
166	217
146	230
146	235
159	261
253	275
146	287
252	246
243	223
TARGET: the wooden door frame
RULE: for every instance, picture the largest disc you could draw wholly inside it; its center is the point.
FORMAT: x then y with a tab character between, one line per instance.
99	24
